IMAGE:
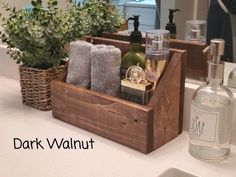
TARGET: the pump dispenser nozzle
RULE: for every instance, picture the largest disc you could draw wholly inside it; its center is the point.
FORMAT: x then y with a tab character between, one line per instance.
171	14
171	25
215	66
136	21
216	48
136	35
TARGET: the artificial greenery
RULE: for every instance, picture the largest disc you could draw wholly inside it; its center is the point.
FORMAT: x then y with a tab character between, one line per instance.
38	37
102	16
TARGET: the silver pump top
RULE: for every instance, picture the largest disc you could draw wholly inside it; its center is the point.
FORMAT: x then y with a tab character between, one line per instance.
217	49
195	32
215	66
157	43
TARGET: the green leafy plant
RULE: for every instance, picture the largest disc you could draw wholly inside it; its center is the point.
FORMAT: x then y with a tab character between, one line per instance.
39	37
102	16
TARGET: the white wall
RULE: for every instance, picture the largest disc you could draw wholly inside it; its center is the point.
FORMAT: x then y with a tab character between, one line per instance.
8	67
18	4
190	10
165	5
22	3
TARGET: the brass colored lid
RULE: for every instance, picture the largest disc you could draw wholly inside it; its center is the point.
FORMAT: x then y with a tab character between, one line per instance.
143	86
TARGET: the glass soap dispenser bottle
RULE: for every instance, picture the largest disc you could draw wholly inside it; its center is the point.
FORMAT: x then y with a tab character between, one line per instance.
195	31
135	56
156	55
212	111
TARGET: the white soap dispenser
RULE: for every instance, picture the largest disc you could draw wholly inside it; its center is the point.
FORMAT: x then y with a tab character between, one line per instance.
232	78
212	111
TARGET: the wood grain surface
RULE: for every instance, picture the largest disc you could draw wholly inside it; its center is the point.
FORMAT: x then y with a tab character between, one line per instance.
116	119
197	62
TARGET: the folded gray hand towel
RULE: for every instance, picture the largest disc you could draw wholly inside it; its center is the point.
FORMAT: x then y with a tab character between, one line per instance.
79	69
105	69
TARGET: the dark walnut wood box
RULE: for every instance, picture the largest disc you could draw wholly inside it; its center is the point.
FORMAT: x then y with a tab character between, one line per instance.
143	128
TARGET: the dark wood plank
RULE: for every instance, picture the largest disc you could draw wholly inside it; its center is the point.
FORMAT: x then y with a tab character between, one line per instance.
165	101
116	36
122	45
120	36
196	62
113	118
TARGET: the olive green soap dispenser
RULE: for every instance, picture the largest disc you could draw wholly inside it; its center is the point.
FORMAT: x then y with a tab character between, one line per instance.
135	56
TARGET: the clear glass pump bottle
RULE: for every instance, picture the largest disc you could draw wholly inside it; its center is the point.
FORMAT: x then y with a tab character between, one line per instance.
211	111
195	31
156	55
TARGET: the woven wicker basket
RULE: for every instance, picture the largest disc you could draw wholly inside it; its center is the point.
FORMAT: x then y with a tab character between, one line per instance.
35	86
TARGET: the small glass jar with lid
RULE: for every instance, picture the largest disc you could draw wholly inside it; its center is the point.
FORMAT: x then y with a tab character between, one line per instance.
195	31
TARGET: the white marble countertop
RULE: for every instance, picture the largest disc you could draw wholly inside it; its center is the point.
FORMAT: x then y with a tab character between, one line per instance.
107	159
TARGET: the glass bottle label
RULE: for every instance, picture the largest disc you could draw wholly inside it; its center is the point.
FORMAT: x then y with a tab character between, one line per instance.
203	124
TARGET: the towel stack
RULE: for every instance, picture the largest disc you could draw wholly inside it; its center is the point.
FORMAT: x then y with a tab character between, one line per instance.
79	69
95	66
105	70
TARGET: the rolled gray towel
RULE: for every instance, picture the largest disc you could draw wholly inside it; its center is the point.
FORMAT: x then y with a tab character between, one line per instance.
105	69
79	69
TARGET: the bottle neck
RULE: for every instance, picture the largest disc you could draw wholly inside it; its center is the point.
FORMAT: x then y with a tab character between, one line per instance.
214	82
215	70
135	47
216	58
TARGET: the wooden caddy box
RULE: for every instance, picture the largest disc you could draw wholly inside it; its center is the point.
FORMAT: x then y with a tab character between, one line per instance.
143	128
